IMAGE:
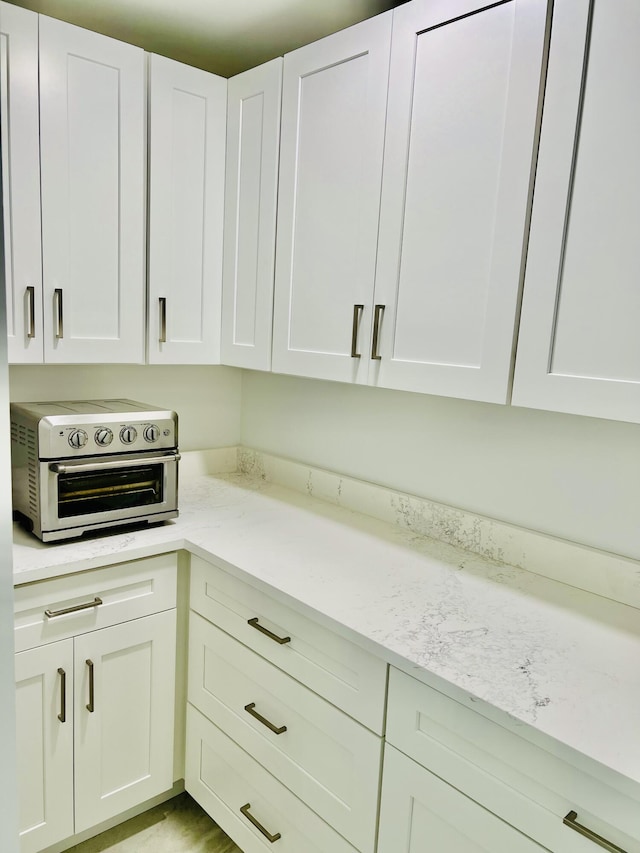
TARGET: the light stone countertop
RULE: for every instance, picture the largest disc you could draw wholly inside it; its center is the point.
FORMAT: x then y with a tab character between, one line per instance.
558	665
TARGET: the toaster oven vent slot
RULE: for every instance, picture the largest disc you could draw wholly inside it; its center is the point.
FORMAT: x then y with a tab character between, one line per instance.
33	485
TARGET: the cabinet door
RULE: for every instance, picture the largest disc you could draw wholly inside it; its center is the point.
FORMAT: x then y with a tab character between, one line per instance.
44	715
124	737
578	347
92	140
19	138
253	147
333	113
420	813
461	126
186	204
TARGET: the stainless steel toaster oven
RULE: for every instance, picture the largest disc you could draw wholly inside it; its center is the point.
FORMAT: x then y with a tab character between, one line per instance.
80	466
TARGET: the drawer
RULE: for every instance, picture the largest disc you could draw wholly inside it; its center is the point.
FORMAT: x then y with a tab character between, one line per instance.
522	783
327	759
420	812
126	591
335	668
223	779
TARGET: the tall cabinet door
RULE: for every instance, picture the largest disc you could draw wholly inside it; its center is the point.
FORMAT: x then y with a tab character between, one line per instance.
333	115
420	813
92	140
251	189
186	207
44	715
579	347
20	144
124	696
461	130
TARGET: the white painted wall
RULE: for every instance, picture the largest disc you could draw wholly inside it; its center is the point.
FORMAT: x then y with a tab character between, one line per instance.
573	477
207	399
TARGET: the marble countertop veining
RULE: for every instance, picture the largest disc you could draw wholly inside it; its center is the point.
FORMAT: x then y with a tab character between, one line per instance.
546	658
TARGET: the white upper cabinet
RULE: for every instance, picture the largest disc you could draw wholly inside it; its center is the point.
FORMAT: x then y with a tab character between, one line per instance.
460	137
92	149
19	129
333	116
579	346
186	206
253	147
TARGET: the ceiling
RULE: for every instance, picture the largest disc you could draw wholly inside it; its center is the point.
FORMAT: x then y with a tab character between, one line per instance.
222	36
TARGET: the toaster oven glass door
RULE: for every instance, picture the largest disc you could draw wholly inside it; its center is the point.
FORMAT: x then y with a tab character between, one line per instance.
101	491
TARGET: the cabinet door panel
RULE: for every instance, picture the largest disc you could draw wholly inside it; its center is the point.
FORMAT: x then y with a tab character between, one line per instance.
92	162
422	814
253	146
458	157
333	114
19	130
578	349
124	747
187	148
44	745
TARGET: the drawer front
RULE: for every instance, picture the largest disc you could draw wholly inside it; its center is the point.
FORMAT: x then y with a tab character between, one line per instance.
327	759
126	591
224	779
522	783
422	813
340	671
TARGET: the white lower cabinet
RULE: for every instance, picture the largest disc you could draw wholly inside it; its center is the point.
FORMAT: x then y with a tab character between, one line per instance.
44	739
266	754
422	814
95	711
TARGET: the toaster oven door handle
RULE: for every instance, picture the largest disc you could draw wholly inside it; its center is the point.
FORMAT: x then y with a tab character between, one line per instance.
78	467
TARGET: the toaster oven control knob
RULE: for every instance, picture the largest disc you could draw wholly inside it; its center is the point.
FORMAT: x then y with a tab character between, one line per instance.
103	436
128	434
151	433
77	438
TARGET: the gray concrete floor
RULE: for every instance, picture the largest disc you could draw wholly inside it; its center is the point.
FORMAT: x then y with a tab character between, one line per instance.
177	826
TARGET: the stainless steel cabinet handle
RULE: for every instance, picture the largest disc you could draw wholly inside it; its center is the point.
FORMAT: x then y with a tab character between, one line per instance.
58	309
51	614
31	312
91	705
570	821
254	624
62	716
245	811
162	305
277	730
357	314
378	311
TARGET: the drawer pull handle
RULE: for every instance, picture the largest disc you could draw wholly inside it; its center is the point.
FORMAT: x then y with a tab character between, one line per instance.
62	716
277	730
570	821
51	614
91	706
245	811
254	624
357	313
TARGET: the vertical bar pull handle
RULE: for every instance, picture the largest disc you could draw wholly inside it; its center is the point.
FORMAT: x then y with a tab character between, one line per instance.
378	311
31	312
58	310
162	305
91	705
245	811
62	716
357	314
570	820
